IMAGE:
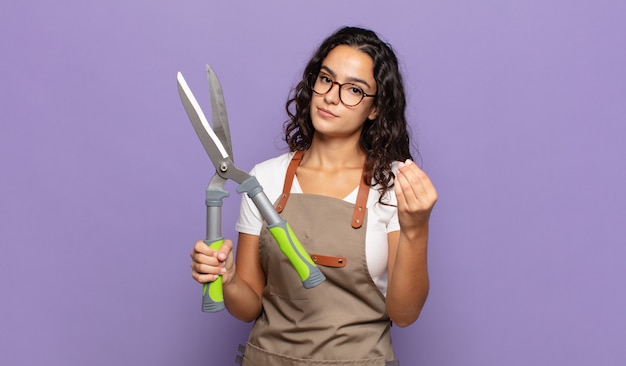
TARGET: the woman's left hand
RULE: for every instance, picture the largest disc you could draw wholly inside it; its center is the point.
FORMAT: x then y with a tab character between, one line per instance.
416	198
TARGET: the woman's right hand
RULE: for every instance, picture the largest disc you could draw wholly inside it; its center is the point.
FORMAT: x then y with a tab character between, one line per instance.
207	264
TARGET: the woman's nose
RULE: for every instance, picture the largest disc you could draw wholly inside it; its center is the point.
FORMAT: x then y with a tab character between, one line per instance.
333	95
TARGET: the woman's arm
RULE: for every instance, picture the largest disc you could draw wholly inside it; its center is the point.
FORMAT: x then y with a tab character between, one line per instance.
408	279
408	265
243	289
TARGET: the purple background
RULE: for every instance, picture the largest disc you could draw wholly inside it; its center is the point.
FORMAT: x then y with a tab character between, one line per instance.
518	108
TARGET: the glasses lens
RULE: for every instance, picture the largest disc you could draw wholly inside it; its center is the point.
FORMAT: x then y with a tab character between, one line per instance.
322	84
351	94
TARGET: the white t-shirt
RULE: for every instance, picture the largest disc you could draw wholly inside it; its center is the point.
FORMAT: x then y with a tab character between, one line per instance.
381	219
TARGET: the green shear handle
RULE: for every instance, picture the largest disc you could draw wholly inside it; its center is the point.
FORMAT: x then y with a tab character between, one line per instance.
212	295
309	273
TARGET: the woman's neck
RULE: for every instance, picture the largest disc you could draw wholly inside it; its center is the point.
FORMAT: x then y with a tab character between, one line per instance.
332	155
331	169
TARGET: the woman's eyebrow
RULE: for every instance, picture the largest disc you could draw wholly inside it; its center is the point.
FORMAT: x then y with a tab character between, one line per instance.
350	79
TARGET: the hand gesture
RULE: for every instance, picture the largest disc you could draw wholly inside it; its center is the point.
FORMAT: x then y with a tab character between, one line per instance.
416	197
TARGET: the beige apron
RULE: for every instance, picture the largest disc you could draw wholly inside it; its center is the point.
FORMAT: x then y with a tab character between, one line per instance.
342	321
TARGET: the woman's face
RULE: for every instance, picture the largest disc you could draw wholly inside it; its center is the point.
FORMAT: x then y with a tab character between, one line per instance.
330	116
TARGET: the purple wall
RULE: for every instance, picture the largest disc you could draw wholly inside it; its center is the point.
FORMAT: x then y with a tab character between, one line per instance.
518	108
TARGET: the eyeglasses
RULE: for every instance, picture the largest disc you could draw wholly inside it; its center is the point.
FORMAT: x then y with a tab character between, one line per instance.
349	94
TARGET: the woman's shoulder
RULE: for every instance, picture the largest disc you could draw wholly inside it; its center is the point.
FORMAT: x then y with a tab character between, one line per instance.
271	174
272	165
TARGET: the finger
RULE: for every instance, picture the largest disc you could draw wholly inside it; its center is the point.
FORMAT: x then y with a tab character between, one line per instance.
204	278
201	259
415	192
200	247
202	254
204	273
400	192
418	182
406	189
417	174
425	190
413	174
203	268
225	250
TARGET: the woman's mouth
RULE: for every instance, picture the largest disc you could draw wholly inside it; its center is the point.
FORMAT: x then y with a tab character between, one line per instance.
325	112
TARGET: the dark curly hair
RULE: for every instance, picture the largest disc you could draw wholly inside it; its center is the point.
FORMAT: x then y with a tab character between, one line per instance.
384	139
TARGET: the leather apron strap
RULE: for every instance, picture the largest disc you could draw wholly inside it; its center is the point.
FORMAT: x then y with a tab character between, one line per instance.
291	173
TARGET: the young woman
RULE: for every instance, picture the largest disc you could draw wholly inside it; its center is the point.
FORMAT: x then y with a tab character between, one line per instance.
357	203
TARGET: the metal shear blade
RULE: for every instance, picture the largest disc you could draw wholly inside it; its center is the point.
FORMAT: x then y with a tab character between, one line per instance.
209	139
218	110
218	147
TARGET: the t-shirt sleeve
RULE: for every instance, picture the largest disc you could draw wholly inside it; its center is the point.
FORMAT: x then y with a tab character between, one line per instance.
394	224
270	175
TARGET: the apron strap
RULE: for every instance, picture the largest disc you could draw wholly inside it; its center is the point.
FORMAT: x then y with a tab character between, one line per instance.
291	172
360	204
361	199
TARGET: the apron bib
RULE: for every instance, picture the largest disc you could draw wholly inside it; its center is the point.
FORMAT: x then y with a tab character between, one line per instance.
342	321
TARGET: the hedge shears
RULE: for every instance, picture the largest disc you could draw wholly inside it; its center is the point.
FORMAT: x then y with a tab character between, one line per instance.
216	142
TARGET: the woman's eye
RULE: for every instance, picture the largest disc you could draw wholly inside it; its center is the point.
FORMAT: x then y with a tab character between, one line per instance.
325	79
356	91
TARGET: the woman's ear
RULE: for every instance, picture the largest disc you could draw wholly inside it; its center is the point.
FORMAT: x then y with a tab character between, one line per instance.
373	114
